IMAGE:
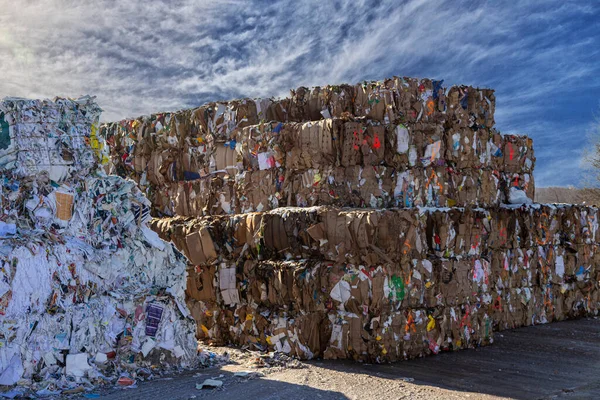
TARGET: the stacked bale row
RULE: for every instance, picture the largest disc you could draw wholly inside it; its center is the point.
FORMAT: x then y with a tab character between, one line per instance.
255	188
383	285
401	142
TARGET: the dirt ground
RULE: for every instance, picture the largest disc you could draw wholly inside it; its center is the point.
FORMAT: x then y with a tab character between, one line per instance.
559	360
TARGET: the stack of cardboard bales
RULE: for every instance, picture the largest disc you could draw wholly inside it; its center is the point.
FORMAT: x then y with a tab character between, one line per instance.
398	143
88	293
383	285
425	259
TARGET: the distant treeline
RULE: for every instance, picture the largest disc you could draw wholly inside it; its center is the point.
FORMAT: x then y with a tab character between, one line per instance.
567	195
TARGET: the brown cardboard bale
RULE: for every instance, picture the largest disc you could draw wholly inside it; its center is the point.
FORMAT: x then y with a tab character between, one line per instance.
317	104
260	190
463	188
200	246
415	145
545	225
312	145
200	283
369	186
247	113
429	144
373	145
312	187
264	146
398	150
225	159
352	139
369	288
518	154
275	235
468	148
278	111
435	187
371	100
299	109
489	190
440	233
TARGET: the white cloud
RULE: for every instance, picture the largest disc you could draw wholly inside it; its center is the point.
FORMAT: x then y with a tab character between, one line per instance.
140	57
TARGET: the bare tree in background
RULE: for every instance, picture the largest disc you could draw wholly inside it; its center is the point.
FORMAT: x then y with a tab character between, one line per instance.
591	157
590	180
589	191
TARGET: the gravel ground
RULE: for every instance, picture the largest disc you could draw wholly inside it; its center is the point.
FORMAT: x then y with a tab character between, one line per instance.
559	360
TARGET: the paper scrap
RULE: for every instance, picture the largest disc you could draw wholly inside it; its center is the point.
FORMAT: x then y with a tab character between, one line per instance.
209	383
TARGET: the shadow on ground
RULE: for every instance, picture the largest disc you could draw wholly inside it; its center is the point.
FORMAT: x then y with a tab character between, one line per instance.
559	359
184	387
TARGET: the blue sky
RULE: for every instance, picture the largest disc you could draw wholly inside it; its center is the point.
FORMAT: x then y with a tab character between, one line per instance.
145	56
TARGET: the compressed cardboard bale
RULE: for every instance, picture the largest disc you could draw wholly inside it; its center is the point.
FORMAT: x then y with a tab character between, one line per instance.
362	143
247	111
368	186
278	111
263	146
421	289
339	100
452	282
468	148
489	189
189	161
428	144
546	224
285	234
398	141
408	188
467	106
412	97
312	145
435	187
373	145
299	109
453	287
464	188
586	224
200	283
260	190
224	158
372	100
518	154
440	233
354	186
197	198
274	282
309	104
515	308
313	187
463	224
465	292
513	268
220	119
500	228
414	145
469	233
206	317
351	137
200	246
399	235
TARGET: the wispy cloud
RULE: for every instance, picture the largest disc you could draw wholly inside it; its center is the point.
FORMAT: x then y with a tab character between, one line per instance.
140	57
